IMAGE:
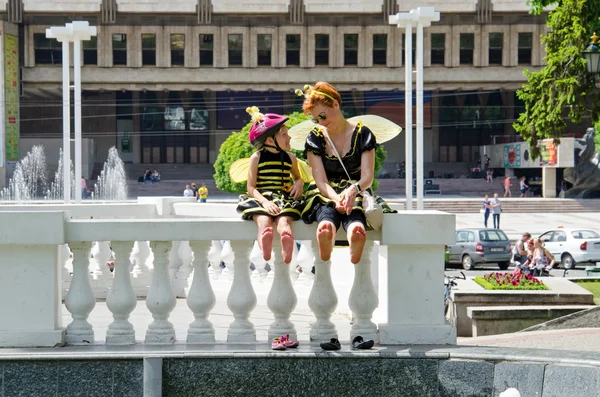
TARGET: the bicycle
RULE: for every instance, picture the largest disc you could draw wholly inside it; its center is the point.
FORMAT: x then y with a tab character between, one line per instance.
449	283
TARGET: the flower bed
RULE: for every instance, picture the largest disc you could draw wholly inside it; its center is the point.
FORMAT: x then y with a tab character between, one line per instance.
508	281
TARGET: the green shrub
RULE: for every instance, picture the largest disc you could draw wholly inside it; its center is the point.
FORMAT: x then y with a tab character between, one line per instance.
237	146
507	281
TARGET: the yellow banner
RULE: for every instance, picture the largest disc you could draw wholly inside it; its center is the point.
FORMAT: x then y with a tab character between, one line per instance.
11	96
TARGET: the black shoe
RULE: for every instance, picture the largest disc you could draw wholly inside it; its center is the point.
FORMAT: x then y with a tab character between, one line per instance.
333	344
359	343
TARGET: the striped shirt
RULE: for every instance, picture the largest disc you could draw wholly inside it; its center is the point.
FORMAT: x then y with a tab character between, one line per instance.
274	170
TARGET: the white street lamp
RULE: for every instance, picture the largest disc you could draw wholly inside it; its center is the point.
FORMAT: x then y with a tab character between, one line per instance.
422	17
75	32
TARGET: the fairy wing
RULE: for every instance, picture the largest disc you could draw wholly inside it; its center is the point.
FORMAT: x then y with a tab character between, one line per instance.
305	172
383	129
238	171
299	132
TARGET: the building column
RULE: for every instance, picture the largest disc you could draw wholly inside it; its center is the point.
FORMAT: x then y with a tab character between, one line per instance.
137	130
549	182
435	126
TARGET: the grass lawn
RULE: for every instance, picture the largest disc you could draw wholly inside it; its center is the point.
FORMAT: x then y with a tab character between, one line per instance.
593	287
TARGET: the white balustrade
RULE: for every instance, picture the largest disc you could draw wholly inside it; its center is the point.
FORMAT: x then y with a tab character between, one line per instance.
161	299
363	298
306	260
242	298
214	258
174	264
102	277
282	297
322	300
201	298
227	256
80	300
64	259
142	273
121	298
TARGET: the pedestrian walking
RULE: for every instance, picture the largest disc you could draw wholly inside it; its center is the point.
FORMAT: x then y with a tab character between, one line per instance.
496	210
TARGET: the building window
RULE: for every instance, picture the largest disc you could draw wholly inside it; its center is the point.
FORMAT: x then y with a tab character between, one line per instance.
467	45
413	52
495	48
380	49
119	42
292	50
149	50
525	46
47	51
207	48
351	49
177	49
263	49
438	48
322	49
235	45
90	51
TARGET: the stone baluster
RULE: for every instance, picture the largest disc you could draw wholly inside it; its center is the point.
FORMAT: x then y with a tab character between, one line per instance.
242	298
363	298
80	299
142	273
180	283
201	298
282	297
322	300
121	298
214	258
161	299
227	256
66	269
103	278
174	263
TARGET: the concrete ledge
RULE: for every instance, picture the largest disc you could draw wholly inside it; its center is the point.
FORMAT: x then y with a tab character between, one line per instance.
27	338
494	320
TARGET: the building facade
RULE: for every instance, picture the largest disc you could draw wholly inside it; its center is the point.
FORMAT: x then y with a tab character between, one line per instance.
167	81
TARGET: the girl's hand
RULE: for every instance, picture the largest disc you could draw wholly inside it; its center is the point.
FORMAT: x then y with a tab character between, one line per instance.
297	189
271	207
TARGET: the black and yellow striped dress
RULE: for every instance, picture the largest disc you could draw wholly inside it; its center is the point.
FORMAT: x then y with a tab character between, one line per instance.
273	182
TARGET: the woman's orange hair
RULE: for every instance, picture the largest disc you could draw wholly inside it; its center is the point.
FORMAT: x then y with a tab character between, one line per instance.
314	95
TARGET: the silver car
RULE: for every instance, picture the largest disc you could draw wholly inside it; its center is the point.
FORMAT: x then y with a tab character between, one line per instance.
475	246
572	246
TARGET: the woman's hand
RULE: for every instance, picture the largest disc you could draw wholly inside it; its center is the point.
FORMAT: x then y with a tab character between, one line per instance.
348	197
271	207
297	189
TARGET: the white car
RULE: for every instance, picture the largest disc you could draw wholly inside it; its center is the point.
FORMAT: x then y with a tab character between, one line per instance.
572	246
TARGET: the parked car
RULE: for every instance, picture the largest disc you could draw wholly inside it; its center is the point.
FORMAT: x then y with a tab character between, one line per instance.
572	246
475	246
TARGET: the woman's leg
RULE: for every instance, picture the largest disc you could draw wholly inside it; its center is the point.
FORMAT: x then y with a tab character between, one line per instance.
265	234
285	235
486	216
357	236
326	238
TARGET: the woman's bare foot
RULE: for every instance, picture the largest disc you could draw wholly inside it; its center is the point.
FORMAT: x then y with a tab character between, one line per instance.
325	236
266	242
287	246
358	237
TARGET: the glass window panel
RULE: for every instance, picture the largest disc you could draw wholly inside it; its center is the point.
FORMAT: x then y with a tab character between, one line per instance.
46	51
206	50
292	50
467	44
90	51
264	43
177	49
119	42
351	49
495	48
149	50
379	49
438	48
321	49
525	48
235	46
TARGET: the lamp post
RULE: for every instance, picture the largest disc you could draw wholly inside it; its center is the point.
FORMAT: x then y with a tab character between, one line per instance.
592	56
422	17
75	32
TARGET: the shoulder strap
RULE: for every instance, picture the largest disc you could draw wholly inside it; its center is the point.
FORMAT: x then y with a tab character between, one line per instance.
336	152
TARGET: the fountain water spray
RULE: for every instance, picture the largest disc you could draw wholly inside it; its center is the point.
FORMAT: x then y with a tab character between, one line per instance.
112	182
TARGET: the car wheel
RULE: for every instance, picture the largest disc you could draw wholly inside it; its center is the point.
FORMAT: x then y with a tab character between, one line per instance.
467	262
503	265
567	261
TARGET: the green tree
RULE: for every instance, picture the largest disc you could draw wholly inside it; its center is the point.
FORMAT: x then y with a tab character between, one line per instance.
561	89
237	146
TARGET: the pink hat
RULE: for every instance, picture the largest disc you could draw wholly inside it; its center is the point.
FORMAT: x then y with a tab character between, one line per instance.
264	126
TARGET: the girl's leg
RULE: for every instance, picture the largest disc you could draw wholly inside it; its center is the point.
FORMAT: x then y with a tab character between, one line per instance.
357	236
326	239
265	234
287	239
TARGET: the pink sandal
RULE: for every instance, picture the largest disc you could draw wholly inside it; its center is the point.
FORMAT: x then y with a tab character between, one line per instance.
277	344
290	344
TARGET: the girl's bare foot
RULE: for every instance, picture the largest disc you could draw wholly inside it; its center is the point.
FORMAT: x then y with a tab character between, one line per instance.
266	242
287	246
325	236
358	238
